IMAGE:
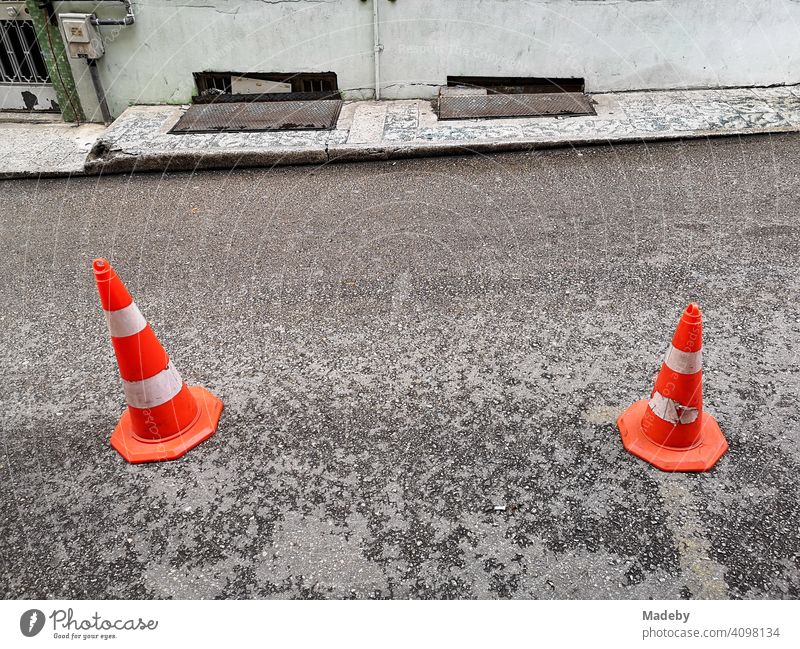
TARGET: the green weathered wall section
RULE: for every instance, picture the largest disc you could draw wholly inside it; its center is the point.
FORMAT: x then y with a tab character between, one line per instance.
55	58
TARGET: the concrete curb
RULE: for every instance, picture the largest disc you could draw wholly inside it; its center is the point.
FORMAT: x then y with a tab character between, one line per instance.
117	162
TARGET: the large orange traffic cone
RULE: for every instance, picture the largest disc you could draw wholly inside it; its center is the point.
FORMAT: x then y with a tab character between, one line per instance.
671	431
165	417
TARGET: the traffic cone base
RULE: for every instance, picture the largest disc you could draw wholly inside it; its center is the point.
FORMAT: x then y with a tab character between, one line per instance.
136	449
700	457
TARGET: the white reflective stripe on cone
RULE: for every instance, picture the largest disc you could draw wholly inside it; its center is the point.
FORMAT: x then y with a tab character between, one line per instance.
125	321
671	411
154	391
684	362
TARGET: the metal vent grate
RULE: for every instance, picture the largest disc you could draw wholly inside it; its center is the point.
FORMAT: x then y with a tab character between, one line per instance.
20	58
259	116
275	96
211	83
535	105
518	85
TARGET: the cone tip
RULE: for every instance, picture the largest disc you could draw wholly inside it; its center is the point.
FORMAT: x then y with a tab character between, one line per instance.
101	265
692	315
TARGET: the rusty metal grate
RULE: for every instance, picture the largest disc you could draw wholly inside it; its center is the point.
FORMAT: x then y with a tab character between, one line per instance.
519	105
226	98
259	116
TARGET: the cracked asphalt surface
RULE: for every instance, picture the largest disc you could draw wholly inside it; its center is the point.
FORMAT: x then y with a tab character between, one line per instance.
421	364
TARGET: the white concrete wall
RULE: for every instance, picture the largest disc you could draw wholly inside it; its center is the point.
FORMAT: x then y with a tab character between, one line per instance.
613	44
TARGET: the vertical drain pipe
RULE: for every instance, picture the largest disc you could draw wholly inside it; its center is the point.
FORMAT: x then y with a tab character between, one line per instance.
99	91
377	47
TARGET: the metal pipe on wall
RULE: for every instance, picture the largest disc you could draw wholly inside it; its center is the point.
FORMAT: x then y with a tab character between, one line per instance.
99	91
129	18
377	47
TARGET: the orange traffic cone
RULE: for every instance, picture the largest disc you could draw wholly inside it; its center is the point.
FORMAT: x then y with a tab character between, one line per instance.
165	418
671	431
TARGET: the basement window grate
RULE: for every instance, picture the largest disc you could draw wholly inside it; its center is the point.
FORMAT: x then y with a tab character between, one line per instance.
208	82
20	58
542	104
498	97
221	86
236	117
518	85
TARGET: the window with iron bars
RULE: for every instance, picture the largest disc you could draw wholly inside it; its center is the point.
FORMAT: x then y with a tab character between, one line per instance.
20	58
300	81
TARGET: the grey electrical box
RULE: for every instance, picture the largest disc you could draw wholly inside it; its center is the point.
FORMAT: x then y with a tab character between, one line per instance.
81	36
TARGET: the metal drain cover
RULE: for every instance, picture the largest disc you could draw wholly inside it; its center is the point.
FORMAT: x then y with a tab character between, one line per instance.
521	105
259	116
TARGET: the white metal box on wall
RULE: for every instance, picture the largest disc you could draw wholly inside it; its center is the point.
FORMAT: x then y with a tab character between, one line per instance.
81	37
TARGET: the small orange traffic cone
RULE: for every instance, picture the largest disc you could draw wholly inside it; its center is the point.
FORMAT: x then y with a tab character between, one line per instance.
165	417
670	430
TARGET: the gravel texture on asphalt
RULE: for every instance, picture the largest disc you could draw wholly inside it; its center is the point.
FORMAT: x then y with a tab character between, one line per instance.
422	363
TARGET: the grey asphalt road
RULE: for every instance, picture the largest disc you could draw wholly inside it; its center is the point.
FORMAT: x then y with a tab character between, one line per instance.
401	348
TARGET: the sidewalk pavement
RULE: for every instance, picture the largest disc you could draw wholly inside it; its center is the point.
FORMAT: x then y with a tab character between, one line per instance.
43	145
139	139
